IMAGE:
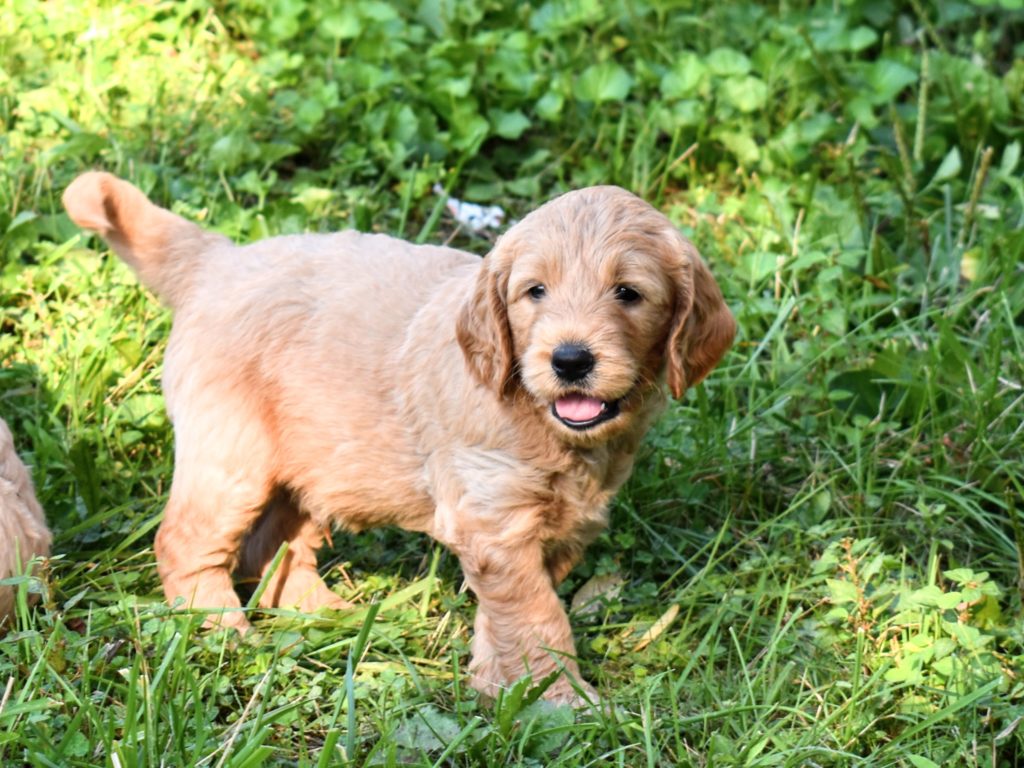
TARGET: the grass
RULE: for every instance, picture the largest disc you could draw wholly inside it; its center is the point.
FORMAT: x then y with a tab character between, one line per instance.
820	549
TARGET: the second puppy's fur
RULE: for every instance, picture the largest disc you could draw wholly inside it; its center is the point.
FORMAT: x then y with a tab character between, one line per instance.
360	380
23	531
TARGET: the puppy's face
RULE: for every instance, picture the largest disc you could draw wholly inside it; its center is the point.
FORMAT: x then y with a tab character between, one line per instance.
585	305
589	306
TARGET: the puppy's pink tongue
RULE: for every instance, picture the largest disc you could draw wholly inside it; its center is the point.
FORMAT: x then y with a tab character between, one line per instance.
578	408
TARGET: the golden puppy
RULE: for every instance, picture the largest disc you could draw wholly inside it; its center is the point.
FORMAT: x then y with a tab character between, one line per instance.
23	531
359	380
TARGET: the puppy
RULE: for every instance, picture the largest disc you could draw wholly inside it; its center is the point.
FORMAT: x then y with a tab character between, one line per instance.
23	531
358	380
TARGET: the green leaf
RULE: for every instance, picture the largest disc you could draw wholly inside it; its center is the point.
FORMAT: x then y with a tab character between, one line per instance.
927	597
377	10
684	78
144	410
603	82
742	145
746	93
842	591
343	24
509	125
1011	157
922	762
861	38
549	106
887	78
552	724
860	109
727	61
759	264
23	217
685	112
470	131
427	728
309	115
963	576
969	637
949	167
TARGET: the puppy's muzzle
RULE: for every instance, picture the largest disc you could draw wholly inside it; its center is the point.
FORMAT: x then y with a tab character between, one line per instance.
572	362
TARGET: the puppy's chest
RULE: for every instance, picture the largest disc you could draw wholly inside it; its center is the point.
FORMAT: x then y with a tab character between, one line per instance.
578	508
550	499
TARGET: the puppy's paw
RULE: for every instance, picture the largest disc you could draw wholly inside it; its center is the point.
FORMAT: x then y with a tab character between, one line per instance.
231	619
316	596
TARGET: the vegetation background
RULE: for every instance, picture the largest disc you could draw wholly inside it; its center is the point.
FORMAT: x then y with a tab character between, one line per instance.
819	558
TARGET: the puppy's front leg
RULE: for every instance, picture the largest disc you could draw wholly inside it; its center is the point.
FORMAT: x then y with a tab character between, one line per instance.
521	624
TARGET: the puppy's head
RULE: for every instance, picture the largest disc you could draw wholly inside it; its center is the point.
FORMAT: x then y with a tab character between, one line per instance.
586	304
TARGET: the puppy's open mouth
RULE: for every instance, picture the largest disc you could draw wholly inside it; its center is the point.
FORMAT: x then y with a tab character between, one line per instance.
581	412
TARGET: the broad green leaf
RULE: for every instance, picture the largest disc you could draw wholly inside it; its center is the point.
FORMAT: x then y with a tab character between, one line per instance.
988	613
309	115
746	93
908	670
842	591
603	82
342	24
964	575
922	762
549	106
684	78
834	320
740	144
552	724
509	125
860	108
887	78
231	150
144	410
925	597
686	112
860	38
759	264
470	131
426	728
728	61
559	15
458	87
967	636
378	10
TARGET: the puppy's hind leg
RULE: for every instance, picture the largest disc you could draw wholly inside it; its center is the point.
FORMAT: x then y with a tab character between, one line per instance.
196	551
295	582
222	480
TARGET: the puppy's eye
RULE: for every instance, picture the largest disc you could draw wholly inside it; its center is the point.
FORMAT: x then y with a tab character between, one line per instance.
538	292
627	295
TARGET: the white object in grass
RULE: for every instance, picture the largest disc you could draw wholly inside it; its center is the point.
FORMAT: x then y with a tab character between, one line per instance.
474	217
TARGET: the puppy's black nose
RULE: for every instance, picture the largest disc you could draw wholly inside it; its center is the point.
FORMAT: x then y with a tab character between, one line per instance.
572	362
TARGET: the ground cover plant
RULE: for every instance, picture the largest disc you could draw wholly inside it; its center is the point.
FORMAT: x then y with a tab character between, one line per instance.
819	559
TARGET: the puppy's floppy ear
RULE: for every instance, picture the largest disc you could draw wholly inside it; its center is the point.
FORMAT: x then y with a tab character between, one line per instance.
482	328
702	327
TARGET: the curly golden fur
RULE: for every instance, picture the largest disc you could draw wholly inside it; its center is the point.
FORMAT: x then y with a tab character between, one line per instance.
358	380
23	531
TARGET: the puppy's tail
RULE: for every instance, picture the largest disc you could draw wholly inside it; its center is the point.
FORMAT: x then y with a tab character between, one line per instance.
160	246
